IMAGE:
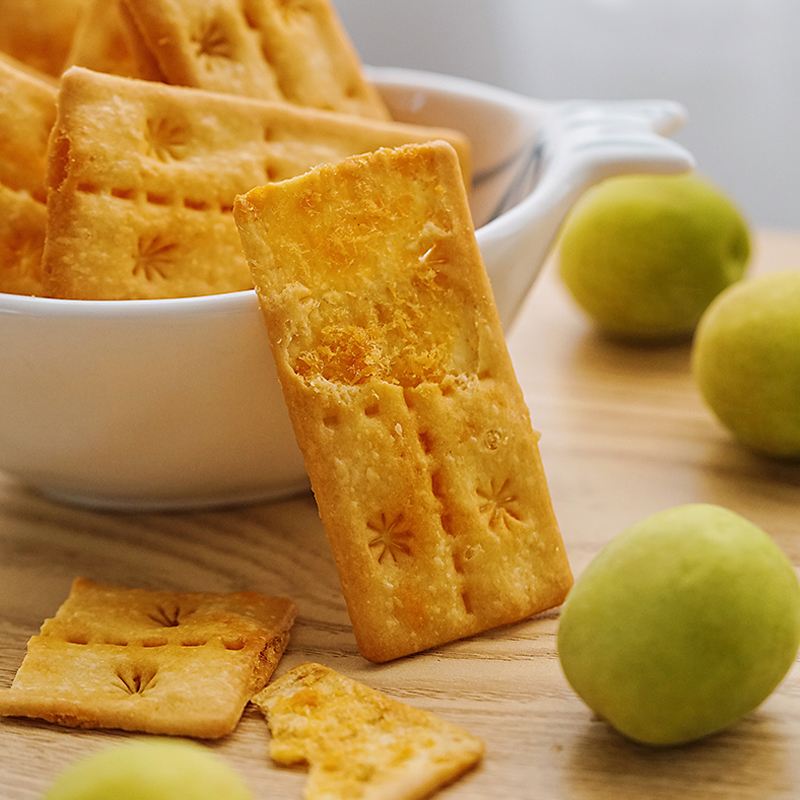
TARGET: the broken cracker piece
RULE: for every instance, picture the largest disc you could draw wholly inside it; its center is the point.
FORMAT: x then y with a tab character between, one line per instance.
358	742
179	663
403	398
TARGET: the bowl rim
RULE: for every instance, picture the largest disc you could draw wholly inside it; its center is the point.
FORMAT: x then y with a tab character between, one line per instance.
235	302
456	85
60	308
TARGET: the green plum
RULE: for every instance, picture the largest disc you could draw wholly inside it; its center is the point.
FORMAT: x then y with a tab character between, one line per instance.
644	255
746	362
151	769
681	625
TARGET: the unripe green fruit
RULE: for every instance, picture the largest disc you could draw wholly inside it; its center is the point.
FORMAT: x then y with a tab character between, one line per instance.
681	625
151	769
644	255
746	362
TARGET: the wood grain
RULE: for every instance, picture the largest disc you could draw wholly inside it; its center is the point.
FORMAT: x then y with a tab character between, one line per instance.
624	434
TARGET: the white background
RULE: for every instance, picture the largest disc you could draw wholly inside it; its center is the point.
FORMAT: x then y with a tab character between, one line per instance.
734	64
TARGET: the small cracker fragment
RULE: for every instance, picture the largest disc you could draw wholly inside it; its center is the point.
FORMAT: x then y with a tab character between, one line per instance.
143	178
403	398
178	663
358	742
291	50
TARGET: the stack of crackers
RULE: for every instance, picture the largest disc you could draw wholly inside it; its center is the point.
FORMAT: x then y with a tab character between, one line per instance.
118	172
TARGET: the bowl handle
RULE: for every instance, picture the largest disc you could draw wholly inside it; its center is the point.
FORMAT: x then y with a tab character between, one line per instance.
579	144
586	142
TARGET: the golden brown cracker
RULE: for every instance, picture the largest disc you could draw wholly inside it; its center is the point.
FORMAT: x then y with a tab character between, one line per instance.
180	663
147	67
27	113
102	42
295	51
143	178
403	398
39	32
23	222
359	742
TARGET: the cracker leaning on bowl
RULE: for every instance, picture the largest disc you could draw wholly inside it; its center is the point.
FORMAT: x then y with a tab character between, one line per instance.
143	176
177	663
27	114
357	741
403	398
291	50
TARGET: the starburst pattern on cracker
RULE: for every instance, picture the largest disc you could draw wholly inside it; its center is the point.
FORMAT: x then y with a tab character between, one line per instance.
143	178
291	50
358	742
403	398
179	663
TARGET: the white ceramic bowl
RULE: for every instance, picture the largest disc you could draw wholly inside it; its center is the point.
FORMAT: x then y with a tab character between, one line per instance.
154	404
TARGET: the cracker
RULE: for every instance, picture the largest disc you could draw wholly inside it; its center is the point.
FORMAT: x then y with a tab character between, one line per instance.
146	65
295	51
403	398
39	32
143	178
27	113
358	742
23	222
103	42
179	663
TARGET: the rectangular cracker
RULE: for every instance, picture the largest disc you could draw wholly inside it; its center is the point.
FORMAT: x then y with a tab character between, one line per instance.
359	742
23	222
27	114
178	663
103	42
403	398
291	50
39	32
143	178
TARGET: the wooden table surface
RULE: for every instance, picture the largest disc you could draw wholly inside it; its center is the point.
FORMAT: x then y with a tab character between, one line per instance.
625	434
